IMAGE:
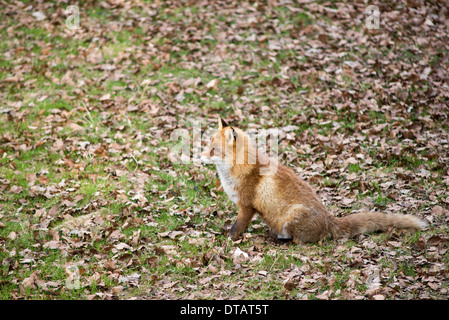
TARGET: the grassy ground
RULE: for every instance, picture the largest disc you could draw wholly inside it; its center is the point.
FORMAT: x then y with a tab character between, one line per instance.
92	206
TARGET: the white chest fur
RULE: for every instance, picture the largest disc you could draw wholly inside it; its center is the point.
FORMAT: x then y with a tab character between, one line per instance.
228	182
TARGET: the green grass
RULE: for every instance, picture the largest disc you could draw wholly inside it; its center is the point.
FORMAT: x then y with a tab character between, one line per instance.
182	198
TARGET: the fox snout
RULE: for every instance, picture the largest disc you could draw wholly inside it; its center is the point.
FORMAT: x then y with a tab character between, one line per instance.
205	157
212	156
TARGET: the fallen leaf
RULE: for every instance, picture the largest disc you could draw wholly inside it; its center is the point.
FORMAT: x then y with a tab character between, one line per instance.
30	282
16	189
58	145
95	56
74	126
290	285
53	244
39	15
213	84
44	179
117	289
131	280
105	97
239	254
437	210
122	245
12	235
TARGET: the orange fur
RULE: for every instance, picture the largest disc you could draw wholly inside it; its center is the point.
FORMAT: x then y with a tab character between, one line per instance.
286	203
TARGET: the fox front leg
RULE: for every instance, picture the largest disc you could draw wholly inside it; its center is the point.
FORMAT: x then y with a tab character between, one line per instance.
244	218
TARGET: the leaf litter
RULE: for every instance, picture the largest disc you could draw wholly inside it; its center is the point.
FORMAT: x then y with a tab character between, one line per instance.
361	114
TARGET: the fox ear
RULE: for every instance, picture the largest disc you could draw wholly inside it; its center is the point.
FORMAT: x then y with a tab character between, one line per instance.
231	134
234	133
222	124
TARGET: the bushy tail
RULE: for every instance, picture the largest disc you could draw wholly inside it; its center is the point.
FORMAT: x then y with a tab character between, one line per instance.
367	222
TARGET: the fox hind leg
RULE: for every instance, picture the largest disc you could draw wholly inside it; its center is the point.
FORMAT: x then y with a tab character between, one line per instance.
309	225
284	235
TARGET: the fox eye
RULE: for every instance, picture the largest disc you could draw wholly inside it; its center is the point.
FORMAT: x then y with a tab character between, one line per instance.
212	152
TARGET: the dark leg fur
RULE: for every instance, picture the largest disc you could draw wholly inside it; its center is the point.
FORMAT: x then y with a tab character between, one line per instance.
243	220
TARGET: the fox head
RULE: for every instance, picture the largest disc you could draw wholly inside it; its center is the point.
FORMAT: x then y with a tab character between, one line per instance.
227	146
231	147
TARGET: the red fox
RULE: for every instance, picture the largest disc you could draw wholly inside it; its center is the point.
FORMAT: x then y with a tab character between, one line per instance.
285	202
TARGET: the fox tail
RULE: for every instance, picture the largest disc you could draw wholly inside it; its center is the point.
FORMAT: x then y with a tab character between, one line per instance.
367	222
